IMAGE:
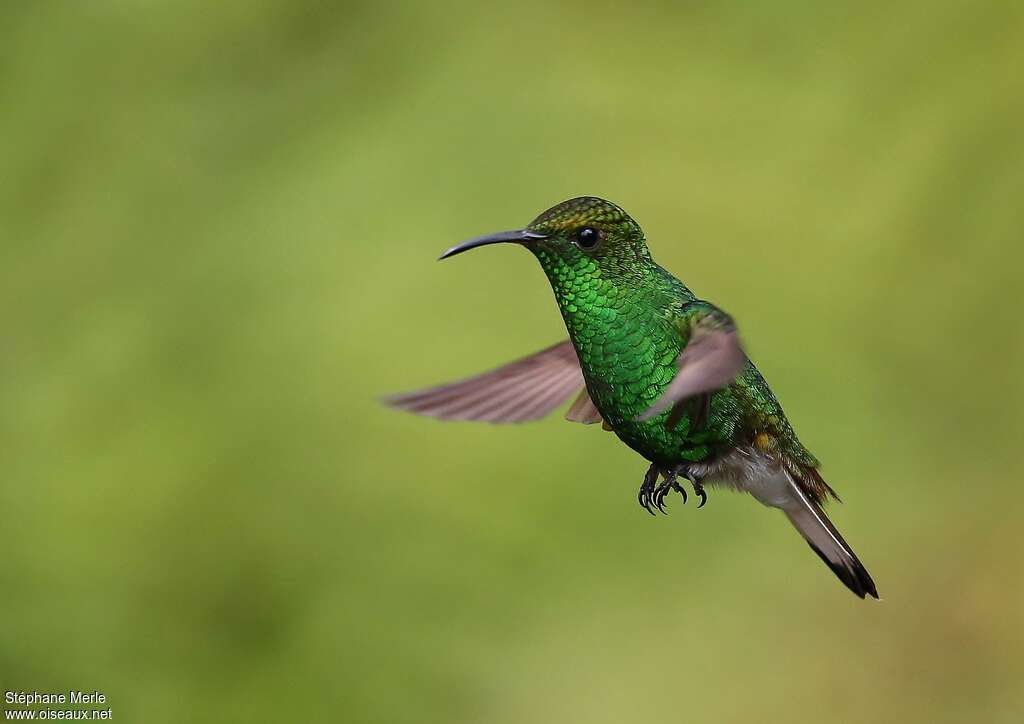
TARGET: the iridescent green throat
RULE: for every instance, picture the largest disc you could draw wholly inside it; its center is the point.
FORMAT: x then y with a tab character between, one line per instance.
620	317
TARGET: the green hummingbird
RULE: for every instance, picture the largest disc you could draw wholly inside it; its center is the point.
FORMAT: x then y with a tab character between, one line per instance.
663	370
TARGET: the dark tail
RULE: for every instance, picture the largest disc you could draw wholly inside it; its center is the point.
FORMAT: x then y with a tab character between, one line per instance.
808	518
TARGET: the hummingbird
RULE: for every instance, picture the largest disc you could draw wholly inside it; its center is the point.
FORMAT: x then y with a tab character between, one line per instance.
663	370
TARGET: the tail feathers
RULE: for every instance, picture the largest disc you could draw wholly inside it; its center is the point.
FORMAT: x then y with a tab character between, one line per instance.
808	518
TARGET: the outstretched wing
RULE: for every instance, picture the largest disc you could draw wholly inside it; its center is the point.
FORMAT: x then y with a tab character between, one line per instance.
527	389
711	358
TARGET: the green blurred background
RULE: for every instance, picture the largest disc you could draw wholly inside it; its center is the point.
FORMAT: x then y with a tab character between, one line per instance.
218	226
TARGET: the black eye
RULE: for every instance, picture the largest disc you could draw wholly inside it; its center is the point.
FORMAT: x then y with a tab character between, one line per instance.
587	237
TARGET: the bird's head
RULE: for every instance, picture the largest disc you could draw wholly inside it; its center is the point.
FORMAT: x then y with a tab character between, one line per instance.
578	231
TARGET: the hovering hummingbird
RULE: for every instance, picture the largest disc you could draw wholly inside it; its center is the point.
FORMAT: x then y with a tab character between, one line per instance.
662	369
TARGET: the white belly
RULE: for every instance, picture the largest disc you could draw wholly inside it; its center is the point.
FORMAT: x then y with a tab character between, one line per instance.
748	469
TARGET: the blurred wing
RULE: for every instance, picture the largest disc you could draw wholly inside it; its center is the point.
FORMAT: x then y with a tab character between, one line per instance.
711	359
527	389
583	410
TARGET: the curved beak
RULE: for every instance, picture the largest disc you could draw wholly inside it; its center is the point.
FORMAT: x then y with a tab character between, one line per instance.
518	237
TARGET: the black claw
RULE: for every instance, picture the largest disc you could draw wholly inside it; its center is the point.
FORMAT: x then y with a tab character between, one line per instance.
698	489
659	499
652	496
645	495
664	489
644	501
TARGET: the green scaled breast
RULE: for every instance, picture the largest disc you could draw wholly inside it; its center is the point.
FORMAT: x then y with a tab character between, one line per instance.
624	327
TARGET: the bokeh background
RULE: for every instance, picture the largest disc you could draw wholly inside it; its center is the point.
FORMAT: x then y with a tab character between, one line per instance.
218	226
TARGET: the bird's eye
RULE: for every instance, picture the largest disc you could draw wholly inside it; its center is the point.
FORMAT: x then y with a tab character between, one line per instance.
587	237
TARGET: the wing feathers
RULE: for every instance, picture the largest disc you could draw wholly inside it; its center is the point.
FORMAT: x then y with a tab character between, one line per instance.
527	389
583	410
712	359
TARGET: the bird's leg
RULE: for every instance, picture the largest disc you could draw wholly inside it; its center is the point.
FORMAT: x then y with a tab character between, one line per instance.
665	488
646	493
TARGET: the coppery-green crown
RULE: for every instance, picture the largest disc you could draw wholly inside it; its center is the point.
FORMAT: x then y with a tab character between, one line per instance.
586	211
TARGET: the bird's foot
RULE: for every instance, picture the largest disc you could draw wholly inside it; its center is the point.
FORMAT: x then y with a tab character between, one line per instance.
652	496
645	496
667	487
698	490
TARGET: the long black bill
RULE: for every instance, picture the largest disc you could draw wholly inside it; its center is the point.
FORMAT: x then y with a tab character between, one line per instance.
518	236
